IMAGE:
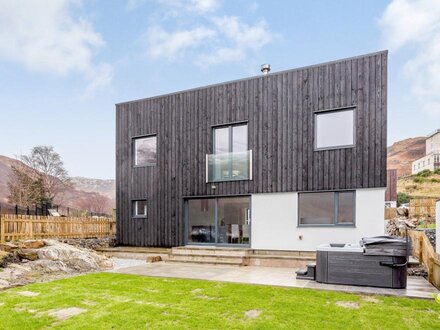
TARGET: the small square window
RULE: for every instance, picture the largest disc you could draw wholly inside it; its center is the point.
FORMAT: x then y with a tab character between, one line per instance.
334	129
145	152
140	208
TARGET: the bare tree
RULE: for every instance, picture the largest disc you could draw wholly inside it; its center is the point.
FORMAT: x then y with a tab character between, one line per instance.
96	203
24	188
41	177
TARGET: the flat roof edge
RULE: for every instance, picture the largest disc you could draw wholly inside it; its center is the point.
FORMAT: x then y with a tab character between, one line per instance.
254	77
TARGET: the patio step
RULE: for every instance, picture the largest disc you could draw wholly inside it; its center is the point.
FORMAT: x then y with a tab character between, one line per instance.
208	259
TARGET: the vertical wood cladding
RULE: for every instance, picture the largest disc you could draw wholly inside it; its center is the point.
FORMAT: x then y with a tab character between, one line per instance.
279	110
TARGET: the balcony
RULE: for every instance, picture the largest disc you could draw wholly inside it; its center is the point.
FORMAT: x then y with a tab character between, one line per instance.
231	166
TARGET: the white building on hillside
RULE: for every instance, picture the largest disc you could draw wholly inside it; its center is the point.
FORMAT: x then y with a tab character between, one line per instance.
432	159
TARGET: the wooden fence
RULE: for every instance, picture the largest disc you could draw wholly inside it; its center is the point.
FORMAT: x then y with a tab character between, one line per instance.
19	227
422	207
390	213
423	250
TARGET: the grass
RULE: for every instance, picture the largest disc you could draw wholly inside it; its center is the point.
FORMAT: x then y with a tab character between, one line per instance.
114	301
424	185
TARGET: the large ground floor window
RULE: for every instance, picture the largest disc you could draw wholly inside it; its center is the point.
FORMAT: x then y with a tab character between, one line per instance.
326	208
223	220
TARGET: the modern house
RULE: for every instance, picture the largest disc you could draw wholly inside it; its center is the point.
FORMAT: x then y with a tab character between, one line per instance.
431	161
280	161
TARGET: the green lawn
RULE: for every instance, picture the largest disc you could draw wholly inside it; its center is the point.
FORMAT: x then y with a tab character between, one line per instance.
114	301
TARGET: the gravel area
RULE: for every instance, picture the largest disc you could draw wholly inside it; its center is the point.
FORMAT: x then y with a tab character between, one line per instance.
124	263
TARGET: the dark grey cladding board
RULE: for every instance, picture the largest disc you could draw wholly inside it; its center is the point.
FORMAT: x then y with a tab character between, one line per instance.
279	110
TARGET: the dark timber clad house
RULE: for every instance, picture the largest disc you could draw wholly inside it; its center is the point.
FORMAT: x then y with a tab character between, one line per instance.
286	161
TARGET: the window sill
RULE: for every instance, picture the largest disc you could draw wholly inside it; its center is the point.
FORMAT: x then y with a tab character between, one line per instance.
148	165
334	148
139	217
351	225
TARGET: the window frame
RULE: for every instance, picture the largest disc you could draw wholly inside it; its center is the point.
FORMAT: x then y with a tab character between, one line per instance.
133	150
316	113
134	209
336	222
230	127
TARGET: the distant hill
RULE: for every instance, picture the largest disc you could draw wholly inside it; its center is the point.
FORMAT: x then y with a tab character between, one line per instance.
419	186
402	153
82	194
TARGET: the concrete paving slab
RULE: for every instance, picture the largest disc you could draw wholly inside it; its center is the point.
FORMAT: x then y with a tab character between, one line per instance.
417	287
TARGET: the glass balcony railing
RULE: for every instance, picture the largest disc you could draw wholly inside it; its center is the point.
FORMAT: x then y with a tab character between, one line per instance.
229	166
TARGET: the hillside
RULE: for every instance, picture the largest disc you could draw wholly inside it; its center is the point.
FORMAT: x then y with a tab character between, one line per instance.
419	186
84	193
402	153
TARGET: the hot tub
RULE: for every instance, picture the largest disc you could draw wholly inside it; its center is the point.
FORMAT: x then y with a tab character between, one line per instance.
379	261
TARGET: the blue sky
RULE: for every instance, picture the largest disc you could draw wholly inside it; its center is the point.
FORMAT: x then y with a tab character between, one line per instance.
65	63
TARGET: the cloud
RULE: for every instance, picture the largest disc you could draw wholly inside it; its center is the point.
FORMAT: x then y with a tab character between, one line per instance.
172	45
45	36
197	6
217	40
415	26
241	37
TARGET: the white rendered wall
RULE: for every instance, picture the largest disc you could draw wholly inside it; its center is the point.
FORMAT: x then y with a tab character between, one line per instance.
275	222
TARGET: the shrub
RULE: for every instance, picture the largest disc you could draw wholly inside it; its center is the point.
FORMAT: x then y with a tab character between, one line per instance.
402	198
437	171
424	173
419	179
434	180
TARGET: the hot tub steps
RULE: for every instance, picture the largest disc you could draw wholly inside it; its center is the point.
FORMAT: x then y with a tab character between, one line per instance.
307	274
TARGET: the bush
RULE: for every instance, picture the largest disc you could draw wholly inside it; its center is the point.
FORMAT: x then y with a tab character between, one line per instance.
424	173
437	171
419	179
402	198
434	180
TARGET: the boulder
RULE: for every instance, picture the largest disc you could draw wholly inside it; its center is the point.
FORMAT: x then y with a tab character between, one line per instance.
151	259
77	259
33	244
7	258
27	254
8	247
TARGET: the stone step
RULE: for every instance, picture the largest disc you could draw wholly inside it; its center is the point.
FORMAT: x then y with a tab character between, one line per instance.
271	253
213	251
413	262
207	259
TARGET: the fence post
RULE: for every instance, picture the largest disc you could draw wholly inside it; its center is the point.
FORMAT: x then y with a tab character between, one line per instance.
2	229
16	209
31	229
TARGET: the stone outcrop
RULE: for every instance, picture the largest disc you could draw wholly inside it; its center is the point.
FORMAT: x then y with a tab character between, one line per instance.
34	261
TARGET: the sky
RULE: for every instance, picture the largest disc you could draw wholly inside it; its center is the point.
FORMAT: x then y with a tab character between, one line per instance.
65	63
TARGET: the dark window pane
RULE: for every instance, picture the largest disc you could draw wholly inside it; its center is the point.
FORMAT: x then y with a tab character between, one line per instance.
346	207
316	208
140	208
145	151
201	220
221	140
234	220
239	138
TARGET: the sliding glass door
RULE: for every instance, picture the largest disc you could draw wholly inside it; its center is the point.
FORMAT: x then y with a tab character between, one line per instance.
224	220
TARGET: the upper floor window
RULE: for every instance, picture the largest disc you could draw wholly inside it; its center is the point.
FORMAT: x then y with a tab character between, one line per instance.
145	153
232	138
334	129
231	159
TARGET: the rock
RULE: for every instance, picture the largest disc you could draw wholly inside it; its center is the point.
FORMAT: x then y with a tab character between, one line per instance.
402	211
151	259
28	254
80	260
7	258
8	247
33	244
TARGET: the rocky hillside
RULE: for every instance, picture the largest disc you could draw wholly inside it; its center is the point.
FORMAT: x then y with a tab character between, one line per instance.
420	185
91	194
402	153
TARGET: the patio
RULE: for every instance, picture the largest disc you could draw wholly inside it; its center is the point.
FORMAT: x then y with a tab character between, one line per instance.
417	287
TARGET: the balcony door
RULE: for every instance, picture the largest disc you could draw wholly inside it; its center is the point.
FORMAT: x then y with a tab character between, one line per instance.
222	221
231	156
